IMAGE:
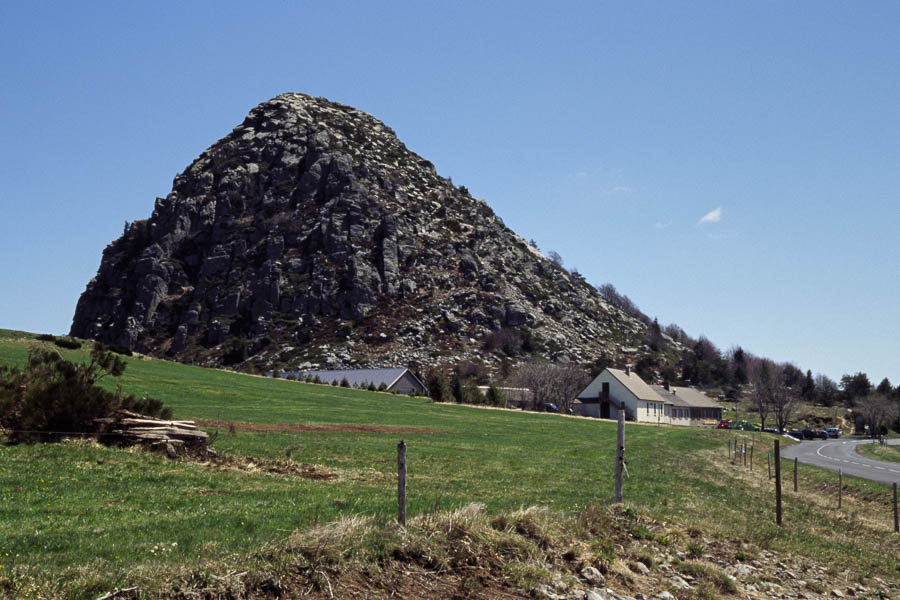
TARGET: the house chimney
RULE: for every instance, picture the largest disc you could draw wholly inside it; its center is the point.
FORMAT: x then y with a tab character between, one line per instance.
666	385
627	370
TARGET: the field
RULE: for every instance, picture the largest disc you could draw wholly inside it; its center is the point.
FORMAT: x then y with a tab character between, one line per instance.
78	519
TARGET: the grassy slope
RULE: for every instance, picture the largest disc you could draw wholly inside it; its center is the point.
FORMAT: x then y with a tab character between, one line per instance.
885	453
78	508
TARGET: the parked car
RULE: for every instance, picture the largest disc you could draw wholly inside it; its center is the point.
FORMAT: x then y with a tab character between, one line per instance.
812	434
550	407
821	434
833	432
724	424
796	433
745	426
770	430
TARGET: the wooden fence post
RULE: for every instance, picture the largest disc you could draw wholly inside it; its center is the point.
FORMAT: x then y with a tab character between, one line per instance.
896	515
620	453
729	449
751	458
795	474
769	462
401	483
840	487
744	452
777	482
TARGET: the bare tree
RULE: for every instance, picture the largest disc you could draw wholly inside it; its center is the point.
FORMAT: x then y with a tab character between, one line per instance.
763	379
784	401
550	382
878	410
555	257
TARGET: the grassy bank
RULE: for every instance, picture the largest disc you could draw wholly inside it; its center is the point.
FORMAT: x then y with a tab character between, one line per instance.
77	518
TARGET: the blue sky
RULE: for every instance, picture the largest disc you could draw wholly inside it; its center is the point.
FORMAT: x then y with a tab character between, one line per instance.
604	131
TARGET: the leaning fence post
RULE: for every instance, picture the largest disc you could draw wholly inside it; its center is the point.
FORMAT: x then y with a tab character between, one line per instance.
401	483
896	516
795	473
729	449
777	483
751	458
620	453
744	452
840	486
769	463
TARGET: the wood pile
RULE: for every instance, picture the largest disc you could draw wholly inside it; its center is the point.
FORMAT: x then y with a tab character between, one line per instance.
129	428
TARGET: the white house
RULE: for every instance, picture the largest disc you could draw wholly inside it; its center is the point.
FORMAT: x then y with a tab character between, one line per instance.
687	406
613	389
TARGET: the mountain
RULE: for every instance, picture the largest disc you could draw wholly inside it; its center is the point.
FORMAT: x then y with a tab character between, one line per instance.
310	235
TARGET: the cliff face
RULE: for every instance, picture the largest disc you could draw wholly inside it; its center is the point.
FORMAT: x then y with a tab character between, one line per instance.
310	234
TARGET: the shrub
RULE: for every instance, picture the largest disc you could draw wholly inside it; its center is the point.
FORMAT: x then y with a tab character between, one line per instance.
66	342
494	396
47	337
371	387
120	350
382	387
53	397
345	383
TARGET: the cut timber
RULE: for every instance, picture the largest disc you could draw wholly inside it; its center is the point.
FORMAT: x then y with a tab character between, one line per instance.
126	427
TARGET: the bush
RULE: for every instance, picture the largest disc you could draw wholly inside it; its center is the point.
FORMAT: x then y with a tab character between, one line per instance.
47	337
68	343
120	350
53	397
345	383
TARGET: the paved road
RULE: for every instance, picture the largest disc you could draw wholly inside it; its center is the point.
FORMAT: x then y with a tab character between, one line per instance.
841	454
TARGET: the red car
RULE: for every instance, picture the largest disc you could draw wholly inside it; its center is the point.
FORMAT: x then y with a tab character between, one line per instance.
724	424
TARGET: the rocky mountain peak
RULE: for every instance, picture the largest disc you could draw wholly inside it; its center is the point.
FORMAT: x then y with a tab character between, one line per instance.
311	235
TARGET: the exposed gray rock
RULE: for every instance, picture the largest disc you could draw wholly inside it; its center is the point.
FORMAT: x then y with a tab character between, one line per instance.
311	213
593	576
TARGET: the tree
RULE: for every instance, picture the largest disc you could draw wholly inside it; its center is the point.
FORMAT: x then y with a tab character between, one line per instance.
52	396
738	363
763	390
438	388
808	389
784	403
654	336
555	257
884	388
827	392
855	386
494	396
550	382
878	411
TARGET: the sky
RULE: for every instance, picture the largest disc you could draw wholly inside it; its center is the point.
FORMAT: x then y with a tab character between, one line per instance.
731	167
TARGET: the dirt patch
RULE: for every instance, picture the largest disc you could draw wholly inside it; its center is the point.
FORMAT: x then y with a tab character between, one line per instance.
320	428
256	465
212	492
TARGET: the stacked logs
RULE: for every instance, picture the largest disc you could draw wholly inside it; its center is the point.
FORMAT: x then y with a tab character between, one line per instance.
128	428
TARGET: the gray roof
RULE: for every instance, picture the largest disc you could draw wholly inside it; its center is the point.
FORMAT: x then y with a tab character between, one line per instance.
355	377
686	397
634	384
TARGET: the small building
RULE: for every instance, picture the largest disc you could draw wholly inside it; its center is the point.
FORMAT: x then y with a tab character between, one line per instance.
402	381
688	406
614	390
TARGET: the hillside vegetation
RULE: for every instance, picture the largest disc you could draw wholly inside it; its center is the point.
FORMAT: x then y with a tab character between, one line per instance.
78	519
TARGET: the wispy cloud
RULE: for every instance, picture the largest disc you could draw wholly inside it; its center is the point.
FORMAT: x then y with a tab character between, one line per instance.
713	216
622	189
661	225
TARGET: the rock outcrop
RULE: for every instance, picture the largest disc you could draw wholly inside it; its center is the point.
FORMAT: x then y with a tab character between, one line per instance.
310	234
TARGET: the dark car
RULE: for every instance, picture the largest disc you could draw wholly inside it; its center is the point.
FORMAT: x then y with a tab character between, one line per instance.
550	407
809	434
770	430
833	432
822	434
796	433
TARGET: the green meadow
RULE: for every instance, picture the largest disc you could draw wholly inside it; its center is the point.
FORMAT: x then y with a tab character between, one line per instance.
77	518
